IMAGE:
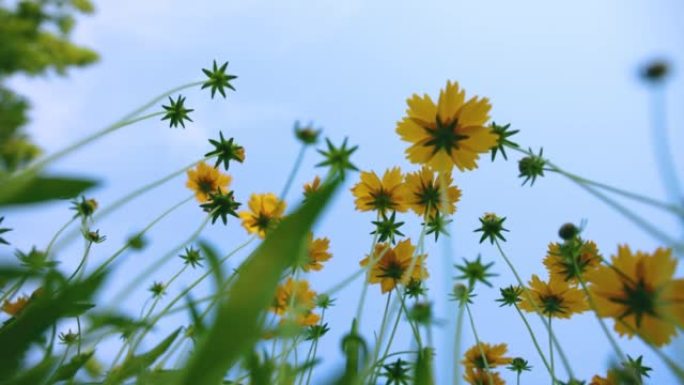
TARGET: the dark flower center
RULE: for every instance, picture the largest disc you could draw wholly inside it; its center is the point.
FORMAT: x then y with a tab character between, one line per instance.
382	200
205	185
392	270
552	304
444	136
639	299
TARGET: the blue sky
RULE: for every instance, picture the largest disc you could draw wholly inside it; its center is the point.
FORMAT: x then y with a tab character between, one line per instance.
565	74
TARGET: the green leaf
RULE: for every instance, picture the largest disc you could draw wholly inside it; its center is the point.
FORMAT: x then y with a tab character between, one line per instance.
236	328
27	189
43	311
34	375
69	370
214	262
135	365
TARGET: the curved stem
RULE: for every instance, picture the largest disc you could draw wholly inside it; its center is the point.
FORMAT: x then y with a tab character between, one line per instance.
293	173
479	344
59	232
537	310
159	98
39	165
145	230
536	344
140	278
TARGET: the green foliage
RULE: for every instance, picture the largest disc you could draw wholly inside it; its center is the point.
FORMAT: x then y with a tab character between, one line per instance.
25	189
56	300
34	39
235	329
69	370
134	365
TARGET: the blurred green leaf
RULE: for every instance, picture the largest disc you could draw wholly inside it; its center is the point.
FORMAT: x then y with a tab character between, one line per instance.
135	365
69	370
214	262
42	312
236	327
34	375
25	189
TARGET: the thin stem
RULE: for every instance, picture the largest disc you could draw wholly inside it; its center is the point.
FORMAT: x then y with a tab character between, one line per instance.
104	212
159	98
362	300
536	344
39	165
553	370
82	262
315	349
661	145
414	328
78	341
479	344
457	344
59	232
383	324
140	278
537	310
293	173
145	230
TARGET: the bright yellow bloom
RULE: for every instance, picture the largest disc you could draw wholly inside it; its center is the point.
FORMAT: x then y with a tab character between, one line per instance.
388	194
205	180
265	211
560	260
482	377
554	298
14	308
639	292
451	133
317	252
312	187
425	192
392	265
295	298
493	353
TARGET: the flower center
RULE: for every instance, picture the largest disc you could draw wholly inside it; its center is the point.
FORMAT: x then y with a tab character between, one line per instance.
638	299
382	200
263	222
205	185
392	270
429	196
552	304
444	136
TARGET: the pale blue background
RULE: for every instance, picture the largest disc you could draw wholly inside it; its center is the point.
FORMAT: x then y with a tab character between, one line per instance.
564	73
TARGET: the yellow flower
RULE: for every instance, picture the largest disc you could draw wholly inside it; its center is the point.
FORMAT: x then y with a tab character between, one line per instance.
482	377
425	192
560	260
612	379
297	299
205	180
383	195
14	308
493	353
451	133
639	292
317	252
393	265
265	211
312	187
554	298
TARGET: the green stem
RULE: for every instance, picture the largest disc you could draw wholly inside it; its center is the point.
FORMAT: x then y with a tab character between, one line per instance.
159	98
140	278
59	232
315	350
479	344
537	310
457	344
41	164
414	328
146	229
383	325
78	341
82	262
362	300
536	344
293	173
553	370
